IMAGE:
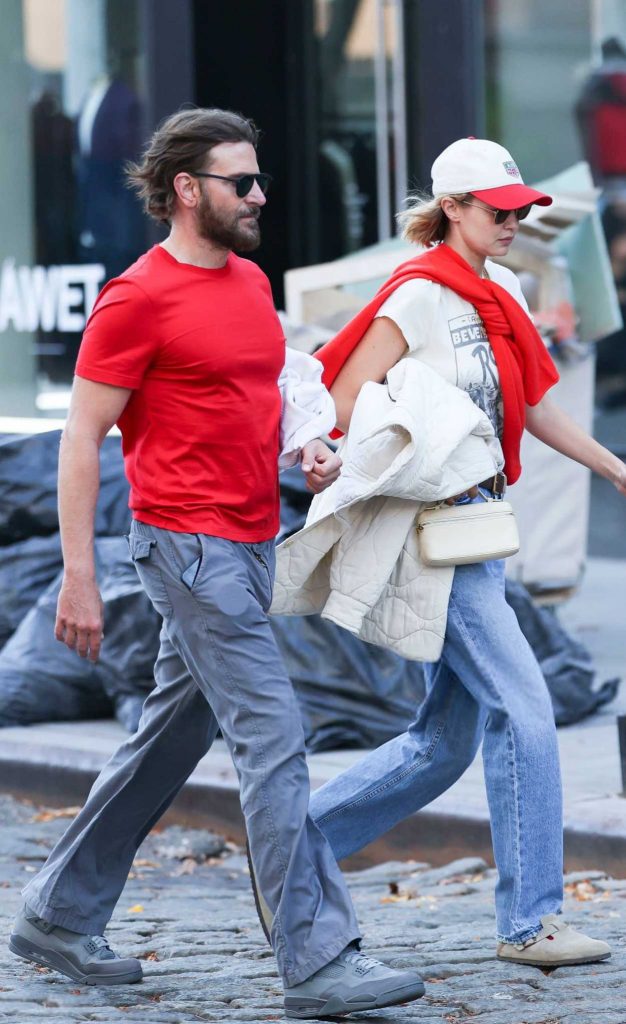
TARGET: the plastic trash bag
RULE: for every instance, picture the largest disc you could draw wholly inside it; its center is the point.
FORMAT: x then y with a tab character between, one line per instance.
41	680
354	694
351	694
26	569
28	487
566	664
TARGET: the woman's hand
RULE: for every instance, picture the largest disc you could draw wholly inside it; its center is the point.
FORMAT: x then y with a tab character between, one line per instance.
619	479
555	428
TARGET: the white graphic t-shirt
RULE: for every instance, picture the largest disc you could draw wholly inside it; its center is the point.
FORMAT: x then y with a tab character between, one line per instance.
446	332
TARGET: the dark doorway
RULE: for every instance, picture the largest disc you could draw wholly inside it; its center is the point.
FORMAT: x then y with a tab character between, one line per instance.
246	61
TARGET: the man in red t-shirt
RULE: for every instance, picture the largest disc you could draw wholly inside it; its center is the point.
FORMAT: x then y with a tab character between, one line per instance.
184	352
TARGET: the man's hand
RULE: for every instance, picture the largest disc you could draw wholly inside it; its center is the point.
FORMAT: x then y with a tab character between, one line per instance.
320	465
80	617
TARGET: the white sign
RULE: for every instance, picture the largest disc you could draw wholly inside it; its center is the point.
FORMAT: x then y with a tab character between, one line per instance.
48	298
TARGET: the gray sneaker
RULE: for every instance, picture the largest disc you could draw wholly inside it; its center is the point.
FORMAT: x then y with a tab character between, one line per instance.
350	983
87	959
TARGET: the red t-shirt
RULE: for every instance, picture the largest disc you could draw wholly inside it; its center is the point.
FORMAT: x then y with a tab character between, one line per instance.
202	351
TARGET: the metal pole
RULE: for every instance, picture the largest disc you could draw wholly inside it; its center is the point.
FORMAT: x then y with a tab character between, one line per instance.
383	185
399	108
17	242
621	732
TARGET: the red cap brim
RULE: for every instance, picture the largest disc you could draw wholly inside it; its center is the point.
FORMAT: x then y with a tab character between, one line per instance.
512	197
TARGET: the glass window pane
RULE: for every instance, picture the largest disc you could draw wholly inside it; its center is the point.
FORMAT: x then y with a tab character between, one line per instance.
536	53
71	116
346	36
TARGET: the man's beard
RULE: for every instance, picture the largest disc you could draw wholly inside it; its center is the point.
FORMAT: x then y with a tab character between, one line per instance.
239	231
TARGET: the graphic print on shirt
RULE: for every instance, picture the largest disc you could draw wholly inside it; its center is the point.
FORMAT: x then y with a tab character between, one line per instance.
476	369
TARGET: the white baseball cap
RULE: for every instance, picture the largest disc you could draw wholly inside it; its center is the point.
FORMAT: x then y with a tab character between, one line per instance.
487	171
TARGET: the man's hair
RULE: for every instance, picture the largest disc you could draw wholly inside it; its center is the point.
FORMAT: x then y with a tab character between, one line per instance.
182	143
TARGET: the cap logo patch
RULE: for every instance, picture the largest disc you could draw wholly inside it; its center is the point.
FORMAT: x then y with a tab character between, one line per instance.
511	168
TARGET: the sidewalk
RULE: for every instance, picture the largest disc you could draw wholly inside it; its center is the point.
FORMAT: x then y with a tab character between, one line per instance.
57	763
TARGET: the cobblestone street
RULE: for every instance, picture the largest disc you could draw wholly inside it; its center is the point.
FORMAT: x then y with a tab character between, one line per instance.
188	913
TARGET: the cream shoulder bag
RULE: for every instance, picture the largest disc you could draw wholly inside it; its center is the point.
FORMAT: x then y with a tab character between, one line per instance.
461	534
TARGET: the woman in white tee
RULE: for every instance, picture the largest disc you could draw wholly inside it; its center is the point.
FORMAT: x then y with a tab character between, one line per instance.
487	687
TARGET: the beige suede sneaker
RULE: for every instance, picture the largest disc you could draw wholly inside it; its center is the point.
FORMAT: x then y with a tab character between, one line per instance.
556	945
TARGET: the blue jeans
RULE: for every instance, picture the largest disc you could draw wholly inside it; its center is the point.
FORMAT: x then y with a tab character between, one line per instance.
486	687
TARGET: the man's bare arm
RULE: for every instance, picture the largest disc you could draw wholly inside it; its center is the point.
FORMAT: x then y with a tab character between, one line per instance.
94	409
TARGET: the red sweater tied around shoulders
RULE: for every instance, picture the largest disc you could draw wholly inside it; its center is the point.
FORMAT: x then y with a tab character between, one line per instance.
525	367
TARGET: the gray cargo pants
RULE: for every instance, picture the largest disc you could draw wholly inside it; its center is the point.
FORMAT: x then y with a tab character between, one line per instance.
218	667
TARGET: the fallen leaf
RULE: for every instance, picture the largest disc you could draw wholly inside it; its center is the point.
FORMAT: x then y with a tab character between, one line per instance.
151	955
186	867
58	812
406	896
140	862
581	891
397	894
135	909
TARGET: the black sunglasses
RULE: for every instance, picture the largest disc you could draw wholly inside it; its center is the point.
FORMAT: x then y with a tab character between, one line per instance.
500	216
243	182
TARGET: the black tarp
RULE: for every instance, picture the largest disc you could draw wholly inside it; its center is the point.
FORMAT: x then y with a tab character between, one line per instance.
351	693
566	664
26	569
28	487
41	680
355	694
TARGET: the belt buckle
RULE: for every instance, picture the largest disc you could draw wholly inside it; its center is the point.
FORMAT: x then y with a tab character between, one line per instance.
499	486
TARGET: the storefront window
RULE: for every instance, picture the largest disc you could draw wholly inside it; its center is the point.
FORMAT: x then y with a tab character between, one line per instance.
71	115
537	53
357	57
556	91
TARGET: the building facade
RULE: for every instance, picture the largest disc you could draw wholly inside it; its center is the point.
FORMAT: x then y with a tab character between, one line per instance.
354	98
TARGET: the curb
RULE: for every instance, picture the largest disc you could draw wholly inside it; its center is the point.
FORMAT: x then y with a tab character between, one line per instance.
437	838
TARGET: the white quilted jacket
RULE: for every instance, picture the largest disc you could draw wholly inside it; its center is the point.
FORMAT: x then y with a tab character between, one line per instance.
414	440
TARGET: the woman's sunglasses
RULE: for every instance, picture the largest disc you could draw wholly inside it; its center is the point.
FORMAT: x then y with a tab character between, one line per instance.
500	216
243	182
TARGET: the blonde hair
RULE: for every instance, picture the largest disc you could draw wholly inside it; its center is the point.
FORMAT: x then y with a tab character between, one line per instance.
424	221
